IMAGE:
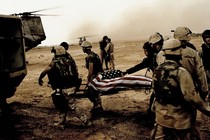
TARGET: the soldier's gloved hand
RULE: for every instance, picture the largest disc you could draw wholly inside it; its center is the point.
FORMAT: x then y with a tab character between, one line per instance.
86	86
40	82
124	73
208	97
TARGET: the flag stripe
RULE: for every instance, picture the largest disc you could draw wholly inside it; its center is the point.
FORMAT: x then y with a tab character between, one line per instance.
124	82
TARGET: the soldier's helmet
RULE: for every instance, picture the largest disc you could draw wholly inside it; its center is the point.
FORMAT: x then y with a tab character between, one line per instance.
171	47
105	37
65	45
182	33
155	38
59	50
206	34
86	45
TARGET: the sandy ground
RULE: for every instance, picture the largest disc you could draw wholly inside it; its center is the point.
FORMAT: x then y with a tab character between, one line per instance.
124	112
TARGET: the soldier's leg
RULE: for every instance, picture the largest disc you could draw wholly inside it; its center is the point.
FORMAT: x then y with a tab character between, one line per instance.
162	133
74	110
102	56
112	66
152	96
95	98
61	104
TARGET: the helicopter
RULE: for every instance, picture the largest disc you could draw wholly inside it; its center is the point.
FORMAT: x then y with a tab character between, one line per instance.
83	38
34	32
12	56
18	34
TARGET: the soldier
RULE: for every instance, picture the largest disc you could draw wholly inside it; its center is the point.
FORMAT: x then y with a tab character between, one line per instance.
205	53
151	49
110	54
94	66
183	34
66	47
190	60
102	45
63	78
176	98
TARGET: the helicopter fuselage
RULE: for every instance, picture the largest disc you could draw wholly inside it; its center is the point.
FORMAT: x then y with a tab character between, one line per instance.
12	55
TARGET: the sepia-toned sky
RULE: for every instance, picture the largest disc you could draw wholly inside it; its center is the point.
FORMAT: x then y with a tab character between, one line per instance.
118	19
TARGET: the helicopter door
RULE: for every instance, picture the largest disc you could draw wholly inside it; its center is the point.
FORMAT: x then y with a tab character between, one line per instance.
12	54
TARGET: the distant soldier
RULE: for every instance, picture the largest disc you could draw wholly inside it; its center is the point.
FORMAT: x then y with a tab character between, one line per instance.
64	80
190	60
102	45
110	54
176	98
205	53
94	66
80	41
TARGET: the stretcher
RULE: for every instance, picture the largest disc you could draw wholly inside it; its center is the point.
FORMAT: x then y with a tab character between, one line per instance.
114	85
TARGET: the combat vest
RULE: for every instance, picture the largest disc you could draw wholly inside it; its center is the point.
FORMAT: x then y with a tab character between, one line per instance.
63	74
95	59
166	85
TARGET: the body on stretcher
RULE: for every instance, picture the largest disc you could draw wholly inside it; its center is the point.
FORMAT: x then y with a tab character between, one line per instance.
114	85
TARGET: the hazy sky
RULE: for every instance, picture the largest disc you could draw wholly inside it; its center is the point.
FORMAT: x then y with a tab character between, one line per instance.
119	19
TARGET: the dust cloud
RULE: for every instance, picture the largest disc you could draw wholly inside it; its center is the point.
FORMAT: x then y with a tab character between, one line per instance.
140	21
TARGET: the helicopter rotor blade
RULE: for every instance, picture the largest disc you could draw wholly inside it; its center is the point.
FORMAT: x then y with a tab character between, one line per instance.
42	10
85	36
44	15
88	36
31	13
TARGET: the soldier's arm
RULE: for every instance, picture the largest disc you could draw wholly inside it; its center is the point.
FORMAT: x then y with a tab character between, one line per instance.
90	72
44	72
190	94
202	80
140	66
160	58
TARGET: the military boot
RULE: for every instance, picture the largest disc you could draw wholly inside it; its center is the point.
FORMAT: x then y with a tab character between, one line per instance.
61	120
97	110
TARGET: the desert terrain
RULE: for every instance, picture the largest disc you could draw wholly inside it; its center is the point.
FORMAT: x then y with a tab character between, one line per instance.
124	115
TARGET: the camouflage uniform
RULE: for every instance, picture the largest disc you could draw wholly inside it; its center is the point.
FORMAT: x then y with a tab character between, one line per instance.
179	119
97	67
110	53
148	62
62	97
94	66
103	53
193	63
93	95
175	117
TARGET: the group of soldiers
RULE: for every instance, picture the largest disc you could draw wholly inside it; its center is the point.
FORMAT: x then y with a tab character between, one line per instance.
180	83
107	53
181	79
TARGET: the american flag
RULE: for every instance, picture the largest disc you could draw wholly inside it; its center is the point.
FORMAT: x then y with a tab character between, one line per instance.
113	80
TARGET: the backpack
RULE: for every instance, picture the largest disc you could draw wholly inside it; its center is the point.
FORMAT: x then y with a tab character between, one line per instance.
166	84
63	74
